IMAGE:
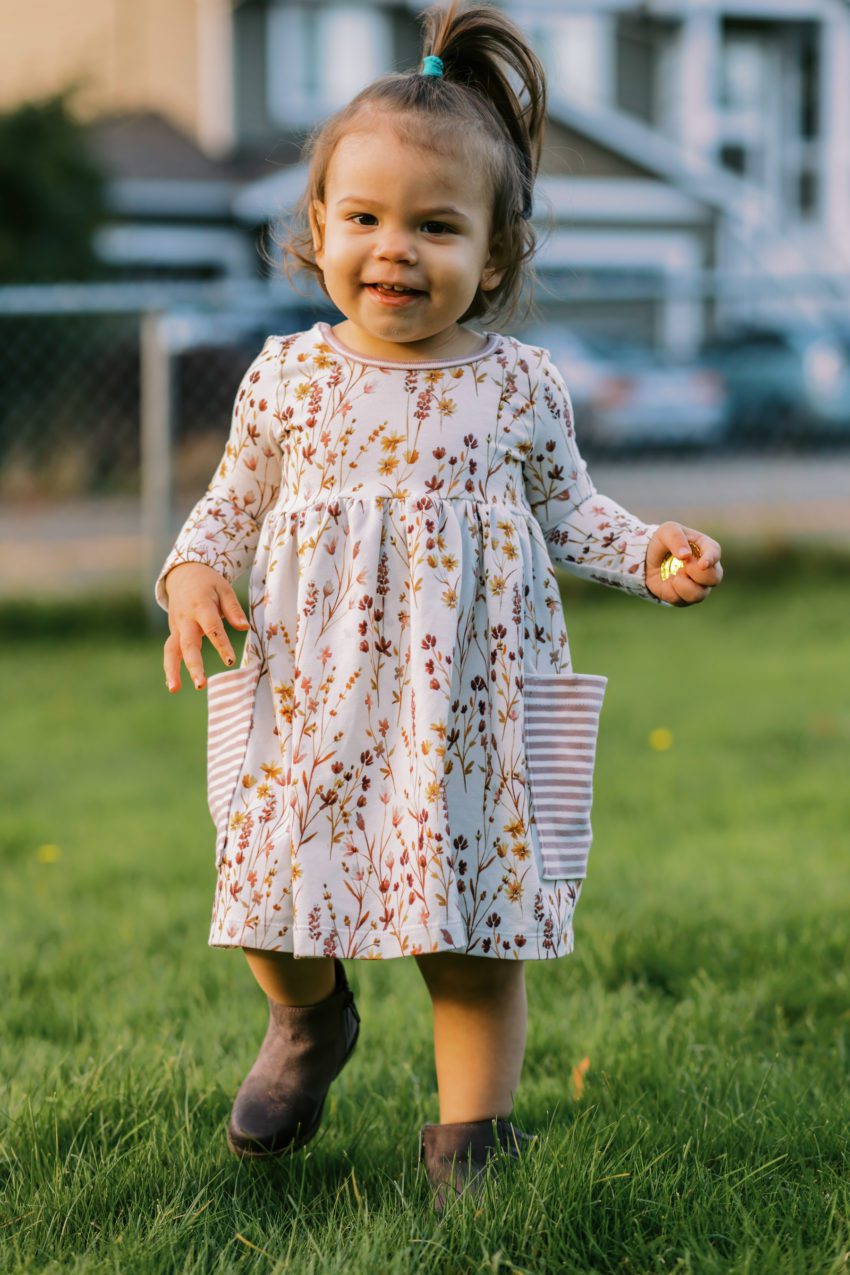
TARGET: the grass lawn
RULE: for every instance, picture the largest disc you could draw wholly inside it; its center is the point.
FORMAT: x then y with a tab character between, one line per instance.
686	1067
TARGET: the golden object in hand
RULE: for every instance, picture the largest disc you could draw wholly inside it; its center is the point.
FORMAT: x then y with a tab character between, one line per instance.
670	564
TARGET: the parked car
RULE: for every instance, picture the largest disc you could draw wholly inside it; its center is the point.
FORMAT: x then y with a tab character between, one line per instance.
784	381
629	396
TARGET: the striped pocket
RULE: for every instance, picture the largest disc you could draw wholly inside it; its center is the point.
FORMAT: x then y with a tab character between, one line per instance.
230	711
561	724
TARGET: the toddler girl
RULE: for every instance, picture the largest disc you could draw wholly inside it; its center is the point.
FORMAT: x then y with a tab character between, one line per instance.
402	763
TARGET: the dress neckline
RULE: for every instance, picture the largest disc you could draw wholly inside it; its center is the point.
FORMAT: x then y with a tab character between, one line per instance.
336	344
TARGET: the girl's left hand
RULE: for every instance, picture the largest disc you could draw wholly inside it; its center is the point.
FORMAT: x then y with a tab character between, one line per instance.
694	581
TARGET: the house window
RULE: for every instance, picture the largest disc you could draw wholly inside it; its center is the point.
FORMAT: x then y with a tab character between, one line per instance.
318	56
575	50
743	83
748	111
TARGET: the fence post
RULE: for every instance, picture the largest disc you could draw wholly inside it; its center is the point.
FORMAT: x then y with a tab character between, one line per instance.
157	435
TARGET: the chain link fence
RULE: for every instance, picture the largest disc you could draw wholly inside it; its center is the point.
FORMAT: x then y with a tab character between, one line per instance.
117	400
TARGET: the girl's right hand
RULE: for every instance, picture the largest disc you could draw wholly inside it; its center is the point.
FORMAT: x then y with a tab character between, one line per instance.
198	598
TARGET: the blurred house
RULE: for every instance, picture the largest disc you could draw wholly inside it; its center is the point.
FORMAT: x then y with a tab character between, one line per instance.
695	166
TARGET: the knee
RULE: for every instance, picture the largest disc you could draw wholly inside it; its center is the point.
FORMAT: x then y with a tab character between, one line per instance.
457	973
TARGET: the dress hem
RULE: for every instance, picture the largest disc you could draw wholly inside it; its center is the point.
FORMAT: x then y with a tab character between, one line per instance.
375	953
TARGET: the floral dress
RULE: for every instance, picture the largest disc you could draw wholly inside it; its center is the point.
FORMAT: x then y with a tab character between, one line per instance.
403	761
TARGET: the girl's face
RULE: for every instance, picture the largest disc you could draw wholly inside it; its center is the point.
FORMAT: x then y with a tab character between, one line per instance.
394	214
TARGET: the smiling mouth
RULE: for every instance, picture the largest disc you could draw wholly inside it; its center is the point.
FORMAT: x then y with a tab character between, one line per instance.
388	290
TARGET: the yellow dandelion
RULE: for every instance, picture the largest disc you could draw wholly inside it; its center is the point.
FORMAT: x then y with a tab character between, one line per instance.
578	1078
48	853
660	739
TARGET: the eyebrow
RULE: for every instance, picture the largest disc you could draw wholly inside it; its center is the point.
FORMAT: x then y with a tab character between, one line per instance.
448	209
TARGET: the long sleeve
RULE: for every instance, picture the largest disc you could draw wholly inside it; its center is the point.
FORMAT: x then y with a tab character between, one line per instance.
223	529
586	533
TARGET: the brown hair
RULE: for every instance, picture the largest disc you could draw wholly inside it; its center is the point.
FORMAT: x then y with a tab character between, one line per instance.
472	98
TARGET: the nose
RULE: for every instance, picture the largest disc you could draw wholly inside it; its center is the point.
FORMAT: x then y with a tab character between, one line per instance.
395	245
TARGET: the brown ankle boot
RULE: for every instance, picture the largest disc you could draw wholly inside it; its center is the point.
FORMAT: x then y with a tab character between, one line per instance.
279	1104
456	1154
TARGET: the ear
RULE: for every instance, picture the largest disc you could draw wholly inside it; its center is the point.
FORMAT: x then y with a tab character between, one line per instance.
317	221
492	274
490	279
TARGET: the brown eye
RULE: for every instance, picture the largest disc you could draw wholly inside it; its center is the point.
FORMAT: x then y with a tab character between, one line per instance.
436	227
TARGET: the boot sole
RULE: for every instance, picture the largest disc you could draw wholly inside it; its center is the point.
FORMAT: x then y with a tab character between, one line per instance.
302	1139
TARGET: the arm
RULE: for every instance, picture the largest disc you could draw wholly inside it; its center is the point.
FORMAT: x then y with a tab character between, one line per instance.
586	533
223	529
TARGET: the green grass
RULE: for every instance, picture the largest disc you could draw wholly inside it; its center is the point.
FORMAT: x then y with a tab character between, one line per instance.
709	986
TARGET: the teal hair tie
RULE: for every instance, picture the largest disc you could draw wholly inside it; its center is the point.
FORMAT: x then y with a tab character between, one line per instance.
432	65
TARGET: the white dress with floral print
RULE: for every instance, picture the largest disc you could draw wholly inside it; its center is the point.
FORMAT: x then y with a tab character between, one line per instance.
403	762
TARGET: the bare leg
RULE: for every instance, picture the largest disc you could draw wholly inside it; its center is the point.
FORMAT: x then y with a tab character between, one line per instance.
480	1023
289	981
